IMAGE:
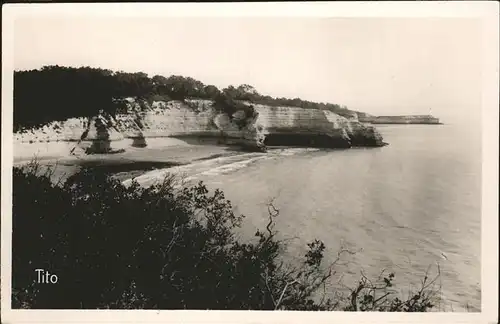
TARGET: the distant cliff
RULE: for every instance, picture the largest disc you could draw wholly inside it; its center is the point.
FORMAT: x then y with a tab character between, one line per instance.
141	122
410	119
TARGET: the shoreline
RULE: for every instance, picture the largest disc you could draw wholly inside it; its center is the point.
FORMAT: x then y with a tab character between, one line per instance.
136	162
401	123
133	162
160	153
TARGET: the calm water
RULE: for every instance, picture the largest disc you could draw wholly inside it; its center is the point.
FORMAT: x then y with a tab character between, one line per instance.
406	207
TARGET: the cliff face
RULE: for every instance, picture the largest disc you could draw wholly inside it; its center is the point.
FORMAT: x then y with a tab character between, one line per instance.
171	118
411	119
292	126
324	129
289	126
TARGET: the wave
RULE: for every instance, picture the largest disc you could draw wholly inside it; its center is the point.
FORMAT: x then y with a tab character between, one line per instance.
292	151
216	166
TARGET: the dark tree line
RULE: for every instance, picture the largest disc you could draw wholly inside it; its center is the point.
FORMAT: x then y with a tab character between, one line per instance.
57	93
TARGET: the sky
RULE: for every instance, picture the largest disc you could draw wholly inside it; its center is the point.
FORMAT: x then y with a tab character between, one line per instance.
382	66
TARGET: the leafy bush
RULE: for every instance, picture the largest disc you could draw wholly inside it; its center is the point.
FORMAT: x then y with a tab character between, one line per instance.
225	103
169	246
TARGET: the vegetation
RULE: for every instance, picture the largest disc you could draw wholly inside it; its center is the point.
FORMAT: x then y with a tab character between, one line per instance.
66	92
170	246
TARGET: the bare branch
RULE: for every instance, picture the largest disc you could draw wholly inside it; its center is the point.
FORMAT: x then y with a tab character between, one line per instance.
283	293
266	280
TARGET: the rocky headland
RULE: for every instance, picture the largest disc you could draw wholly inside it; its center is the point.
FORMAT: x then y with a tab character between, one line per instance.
408	119
193	121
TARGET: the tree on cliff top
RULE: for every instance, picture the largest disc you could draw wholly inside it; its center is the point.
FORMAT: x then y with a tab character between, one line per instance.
137	85
57	93
65	92
179	87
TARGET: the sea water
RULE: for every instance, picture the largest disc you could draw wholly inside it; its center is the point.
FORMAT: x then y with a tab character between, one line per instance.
413	207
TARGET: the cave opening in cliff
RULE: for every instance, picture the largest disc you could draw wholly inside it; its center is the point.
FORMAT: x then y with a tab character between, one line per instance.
306	140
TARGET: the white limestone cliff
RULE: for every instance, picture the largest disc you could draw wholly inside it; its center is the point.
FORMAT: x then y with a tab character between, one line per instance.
196	119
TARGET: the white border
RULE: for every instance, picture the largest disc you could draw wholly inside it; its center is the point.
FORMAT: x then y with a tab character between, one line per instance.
488	12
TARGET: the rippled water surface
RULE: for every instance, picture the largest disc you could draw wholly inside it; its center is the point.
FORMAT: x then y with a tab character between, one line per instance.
404	207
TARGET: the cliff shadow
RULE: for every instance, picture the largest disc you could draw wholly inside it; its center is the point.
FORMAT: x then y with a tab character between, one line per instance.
114	166
305	140
104	146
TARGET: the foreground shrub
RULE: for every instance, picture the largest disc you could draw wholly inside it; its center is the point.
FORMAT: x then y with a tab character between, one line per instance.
163	247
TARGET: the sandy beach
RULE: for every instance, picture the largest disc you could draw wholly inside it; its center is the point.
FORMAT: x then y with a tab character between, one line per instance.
134	161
